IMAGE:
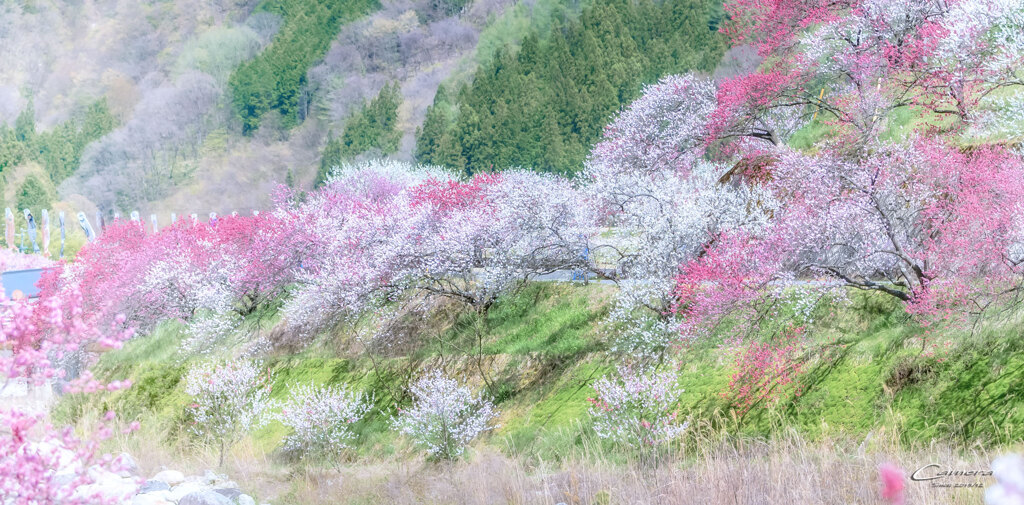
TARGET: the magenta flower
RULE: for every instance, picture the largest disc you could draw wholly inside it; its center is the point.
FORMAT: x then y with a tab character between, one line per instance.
892	478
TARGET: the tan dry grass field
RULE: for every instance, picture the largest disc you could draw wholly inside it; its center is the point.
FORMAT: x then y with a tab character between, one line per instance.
785	470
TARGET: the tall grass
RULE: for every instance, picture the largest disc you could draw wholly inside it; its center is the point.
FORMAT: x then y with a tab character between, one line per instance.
716	468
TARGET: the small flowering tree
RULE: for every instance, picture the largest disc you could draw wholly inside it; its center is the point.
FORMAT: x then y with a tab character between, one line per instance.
637	407
445	416
41	464
321	418
228	400
767	372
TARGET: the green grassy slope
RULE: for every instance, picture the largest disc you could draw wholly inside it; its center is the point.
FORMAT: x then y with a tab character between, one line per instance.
867	370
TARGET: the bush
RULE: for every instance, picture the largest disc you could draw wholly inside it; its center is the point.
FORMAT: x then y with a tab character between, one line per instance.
445	416
228	400
767	372
637	408
321	419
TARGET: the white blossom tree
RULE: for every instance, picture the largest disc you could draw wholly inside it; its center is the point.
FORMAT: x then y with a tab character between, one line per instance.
321	418
445	416
228	400
637	407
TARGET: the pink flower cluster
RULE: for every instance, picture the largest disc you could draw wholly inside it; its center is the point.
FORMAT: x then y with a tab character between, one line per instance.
39	463
766	373
637	407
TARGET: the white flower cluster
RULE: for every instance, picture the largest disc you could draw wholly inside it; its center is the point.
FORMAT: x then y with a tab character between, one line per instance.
228	400
396	172
445	416
644	337
321	418
637	407
206	329
805	298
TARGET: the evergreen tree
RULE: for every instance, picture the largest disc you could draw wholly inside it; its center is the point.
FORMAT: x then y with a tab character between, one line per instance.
375	126
59	150
275	78
33	195
25	124
436	123
331	157
544	105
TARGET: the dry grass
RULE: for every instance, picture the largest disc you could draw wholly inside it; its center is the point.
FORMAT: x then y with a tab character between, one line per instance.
785	470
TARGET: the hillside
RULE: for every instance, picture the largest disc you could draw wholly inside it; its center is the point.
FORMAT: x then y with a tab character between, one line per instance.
526	252
168	123
872	378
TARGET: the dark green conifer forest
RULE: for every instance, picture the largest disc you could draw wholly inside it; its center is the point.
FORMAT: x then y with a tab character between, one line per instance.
543	105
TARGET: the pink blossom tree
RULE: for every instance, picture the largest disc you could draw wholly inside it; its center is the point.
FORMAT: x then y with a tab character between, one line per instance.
856	61
40	463
916	217
637	407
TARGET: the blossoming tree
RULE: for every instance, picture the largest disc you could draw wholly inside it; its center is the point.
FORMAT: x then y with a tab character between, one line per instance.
445	416
321	418
228	400
40	463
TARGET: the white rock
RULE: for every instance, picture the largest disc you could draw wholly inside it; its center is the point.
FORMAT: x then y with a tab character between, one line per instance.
211	477
112	490
178	492
153	486
204	498
244	499
171	477
150	499
128	465
164	494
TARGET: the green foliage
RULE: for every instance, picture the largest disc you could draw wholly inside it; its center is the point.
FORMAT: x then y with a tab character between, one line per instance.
12	150
331	157
274	79
375	126
58	150
25	124
507	30
439	119
218	51
33	195
543	318
544	105
289	179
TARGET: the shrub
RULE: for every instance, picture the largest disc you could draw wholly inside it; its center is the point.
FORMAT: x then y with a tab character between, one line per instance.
321	418
637	407
445	416
766	372
228	400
